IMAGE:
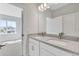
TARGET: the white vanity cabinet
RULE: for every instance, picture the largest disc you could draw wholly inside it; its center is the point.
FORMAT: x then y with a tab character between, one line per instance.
33	47
45	52
37	48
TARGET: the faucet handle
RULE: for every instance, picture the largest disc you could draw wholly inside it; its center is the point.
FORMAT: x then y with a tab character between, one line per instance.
43	33
61	34
1	46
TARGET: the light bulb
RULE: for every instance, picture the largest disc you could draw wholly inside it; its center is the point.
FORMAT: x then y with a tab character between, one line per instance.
39	7
42	6
45	4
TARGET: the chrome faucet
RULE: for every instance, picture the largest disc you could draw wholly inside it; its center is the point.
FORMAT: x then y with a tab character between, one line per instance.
61	35
1	46
43	33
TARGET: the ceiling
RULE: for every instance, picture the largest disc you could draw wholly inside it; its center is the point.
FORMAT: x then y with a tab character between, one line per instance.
21	5
54	6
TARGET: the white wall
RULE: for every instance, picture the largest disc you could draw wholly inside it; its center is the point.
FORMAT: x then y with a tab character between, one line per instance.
30	23
42	22
31	18
10	10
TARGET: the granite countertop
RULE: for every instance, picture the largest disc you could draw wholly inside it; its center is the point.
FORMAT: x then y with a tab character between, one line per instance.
68	45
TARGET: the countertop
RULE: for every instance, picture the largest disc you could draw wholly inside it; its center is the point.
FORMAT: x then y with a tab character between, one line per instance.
71	46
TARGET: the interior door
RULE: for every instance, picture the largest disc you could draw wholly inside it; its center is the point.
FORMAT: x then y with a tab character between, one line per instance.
10	30
10	36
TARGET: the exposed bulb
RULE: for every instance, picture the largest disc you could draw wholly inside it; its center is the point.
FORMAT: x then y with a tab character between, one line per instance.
43	7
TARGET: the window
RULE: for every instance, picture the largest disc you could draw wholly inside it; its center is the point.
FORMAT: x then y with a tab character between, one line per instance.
2	26
11	27
7	27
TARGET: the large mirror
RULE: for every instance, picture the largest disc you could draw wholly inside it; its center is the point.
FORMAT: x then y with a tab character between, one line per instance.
59	18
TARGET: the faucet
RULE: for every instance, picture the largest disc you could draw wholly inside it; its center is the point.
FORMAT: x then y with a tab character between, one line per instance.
61	35
43	33
1	46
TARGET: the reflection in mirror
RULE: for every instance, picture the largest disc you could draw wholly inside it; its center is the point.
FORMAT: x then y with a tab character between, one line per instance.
61	18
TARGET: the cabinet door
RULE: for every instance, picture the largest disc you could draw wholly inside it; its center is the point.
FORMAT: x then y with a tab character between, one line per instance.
44	52
54	26
33	47
56	51
69	24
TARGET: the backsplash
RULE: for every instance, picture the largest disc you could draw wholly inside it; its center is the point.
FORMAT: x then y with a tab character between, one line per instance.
73	38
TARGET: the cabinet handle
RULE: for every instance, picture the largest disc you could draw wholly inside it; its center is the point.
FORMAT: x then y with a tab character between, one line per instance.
32	47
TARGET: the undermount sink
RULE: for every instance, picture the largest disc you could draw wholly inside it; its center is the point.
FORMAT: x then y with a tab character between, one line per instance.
58	42
39	37
53	40
44	37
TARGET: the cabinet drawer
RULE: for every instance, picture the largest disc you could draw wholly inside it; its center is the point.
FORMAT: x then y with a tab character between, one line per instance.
55	51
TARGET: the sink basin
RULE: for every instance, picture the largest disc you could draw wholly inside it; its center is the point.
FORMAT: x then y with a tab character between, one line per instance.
57	42
53	40
39	37
46	38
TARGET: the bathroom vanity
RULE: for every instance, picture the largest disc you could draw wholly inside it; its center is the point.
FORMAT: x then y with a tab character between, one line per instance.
52	46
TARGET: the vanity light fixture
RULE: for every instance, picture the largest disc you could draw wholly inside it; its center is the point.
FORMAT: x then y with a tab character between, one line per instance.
43	7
